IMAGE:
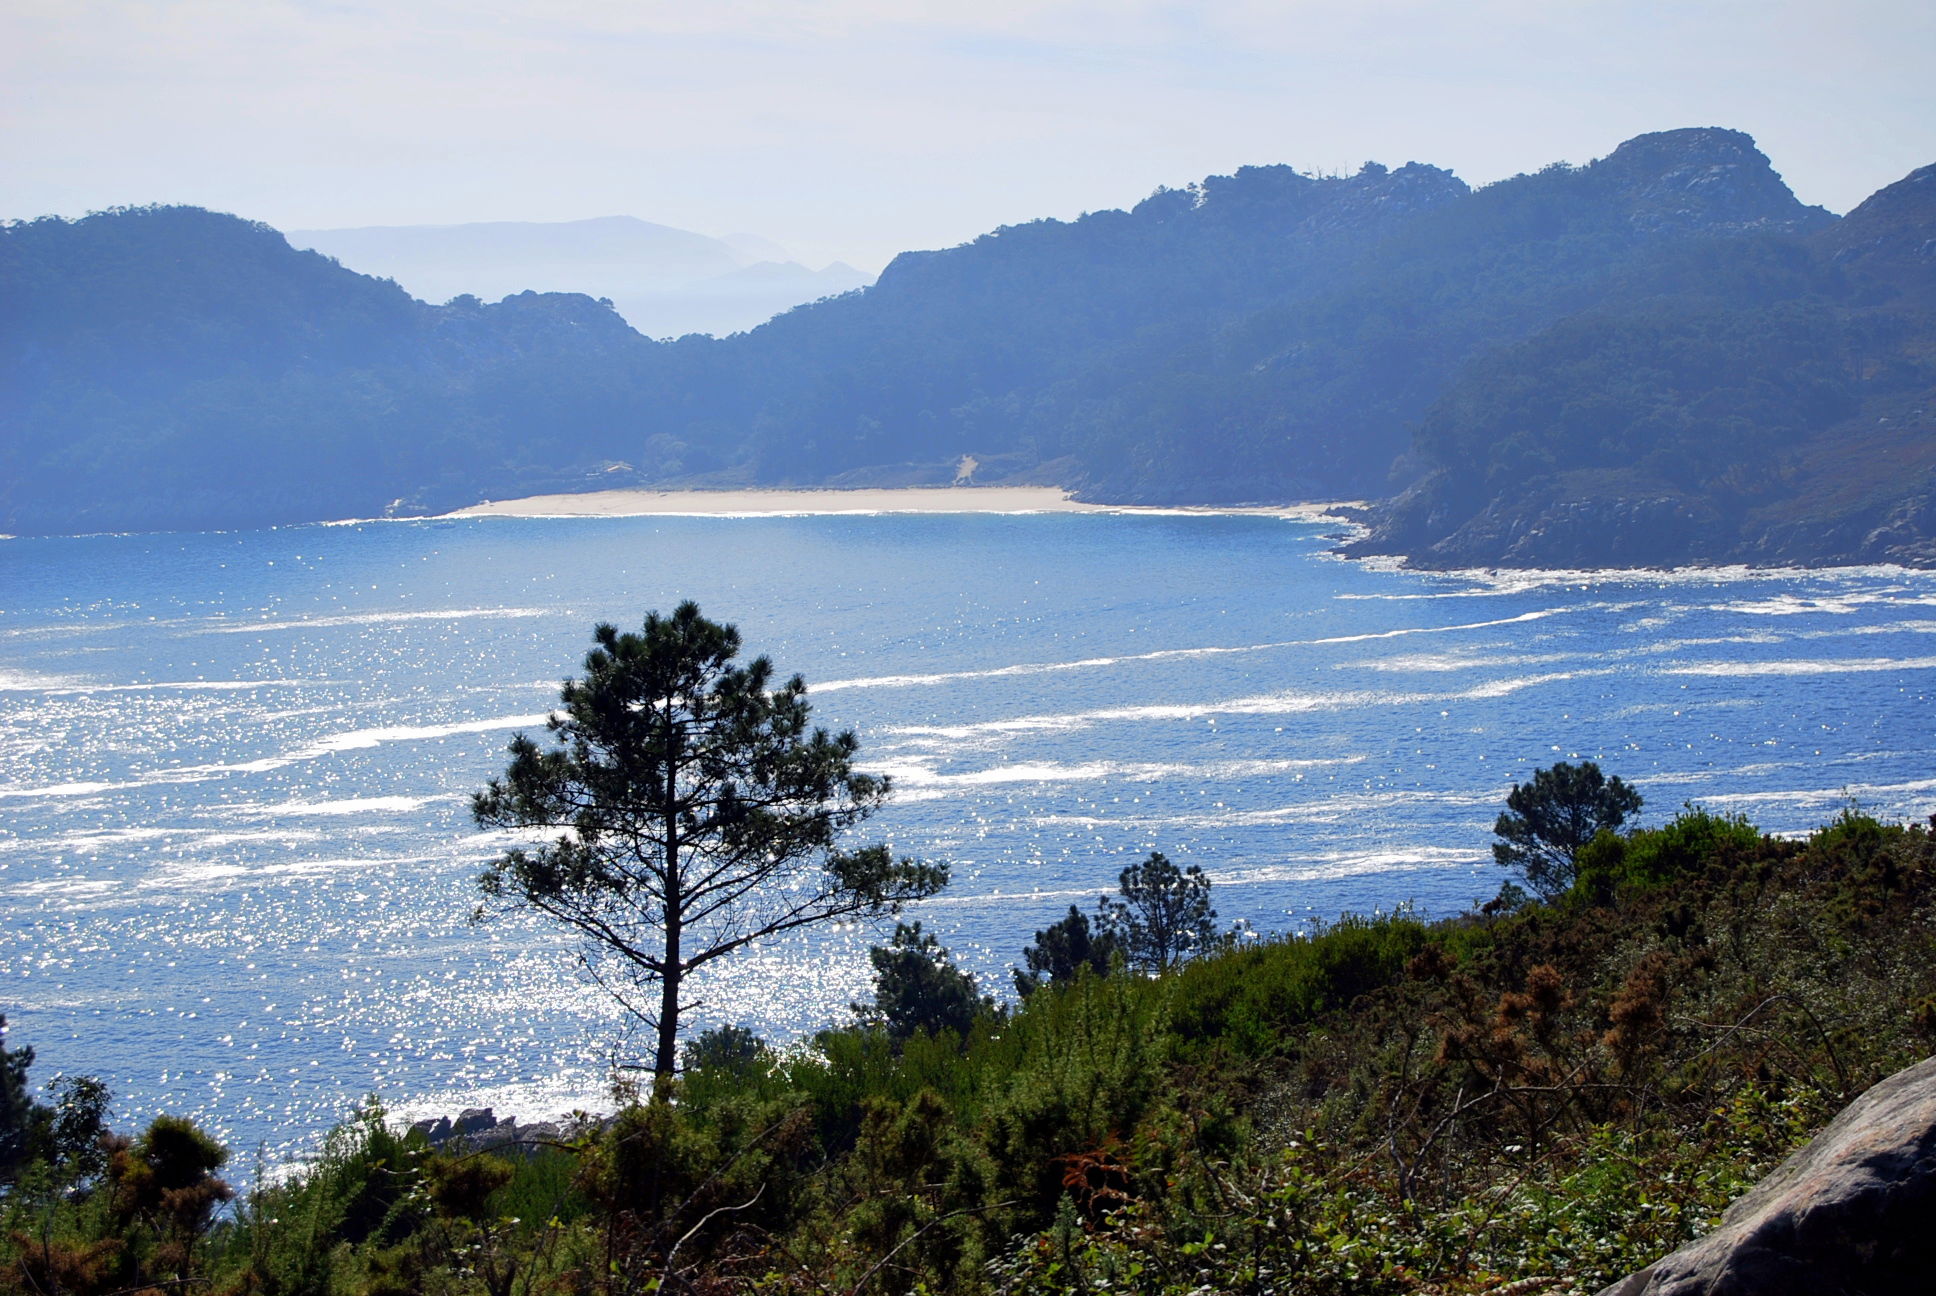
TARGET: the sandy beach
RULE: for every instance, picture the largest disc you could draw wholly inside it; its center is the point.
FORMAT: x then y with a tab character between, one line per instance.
910	499
753	503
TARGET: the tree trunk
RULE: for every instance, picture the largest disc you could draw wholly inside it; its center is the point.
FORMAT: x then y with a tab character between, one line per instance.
666	1061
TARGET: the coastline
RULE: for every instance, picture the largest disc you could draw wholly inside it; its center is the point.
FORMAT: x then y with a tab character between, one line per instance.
833	501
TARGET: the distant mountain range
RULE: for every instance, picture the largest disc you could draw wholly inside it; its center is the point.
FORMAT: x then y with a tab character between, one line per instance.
1658	357
666	282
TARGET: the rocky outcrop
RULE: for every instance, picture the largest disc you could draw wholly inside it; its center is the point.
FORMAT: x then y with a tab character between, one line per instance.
1896	225
478	1129
1902	531
1704	177
1554	527
1549	527
1849	1213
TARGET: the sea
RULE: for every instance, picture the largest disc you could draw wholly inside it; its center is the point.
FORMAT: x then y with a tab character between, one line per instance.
238	866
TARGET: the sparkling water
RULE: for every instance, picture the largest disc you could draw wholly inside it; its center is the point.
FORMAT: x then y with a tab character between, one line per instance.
238	867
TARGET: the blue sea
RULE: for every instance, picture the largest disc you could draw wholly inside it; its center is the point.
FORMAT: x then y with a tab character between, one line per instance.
238	869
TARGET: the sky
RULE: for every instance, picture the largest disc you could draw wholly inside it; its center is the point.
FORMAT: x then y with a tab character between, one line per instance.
853	129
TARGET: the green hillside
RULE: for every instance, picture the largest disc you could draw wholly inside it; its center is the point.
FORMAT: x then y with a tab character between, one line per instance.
1383	1105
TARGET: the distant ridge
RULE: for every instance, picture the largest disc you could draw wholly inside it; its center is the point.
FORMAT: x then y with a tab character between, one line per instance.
1658	357
664	281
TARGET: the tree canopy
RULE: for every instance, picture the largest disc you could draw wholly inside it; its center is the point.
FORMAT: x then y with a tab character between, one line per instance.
919	990
697	812
1551	817
1061	951
1164	916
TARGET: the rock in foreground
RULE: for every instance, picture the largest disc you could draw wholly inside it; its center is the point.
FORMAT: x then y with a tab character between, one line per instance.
1851	1212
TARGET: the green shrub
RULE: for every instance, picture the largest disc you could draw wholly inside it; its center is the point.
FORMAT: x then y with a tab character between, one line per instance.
1611	865
1253	1000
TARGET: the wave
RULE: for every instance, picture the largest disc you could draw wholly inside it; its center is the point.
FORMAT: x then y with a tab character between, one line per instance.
84	842
1431	663
376	618
1836	796
1335	809
1538	615
177	876
1345	864
1042	668
347	806
353	740
19	681
1712	704
1286	703
69	888
23	681
1833	666
1831	605
1164	654
1487	582
56	790
922	774
359	739
1763	638
190	686
1889	627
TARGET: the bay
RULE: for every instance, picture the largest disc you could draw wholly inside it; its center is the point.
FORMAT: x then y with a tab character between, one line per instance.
237	865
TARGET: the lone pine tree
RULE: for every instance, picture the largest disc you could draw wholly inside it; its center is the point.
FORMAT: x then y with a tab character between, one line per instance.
696	812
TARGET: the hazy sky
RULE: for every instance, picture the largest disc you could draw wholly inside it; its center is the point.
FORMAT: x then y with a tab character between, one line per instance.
855	128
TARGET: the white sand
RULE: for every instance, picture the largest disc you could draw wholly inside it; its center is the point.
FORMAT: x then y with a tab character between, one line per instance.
746	503
754	503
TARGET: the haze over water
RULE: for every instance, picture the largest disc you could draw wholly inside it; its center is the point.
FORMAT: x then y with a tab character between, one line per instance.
236	858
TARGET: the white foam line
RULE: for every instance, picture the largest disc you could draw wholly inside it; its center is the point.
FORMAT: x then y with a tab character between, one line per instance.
1445	662
1162	654
184	876
347	806
1650	708
64	790
29	682
918	774
77	888
1357	865
355	740
359	739
1828	796
1539	615
1825	605
1330	810
1040	668
1837	666
187	686
1660	646
1514	581
91	841
1262	704
374	618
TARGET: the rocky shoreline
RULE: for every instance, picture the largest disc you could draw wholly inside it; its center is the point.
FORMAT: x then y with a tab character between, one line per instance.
1558	526
480	1129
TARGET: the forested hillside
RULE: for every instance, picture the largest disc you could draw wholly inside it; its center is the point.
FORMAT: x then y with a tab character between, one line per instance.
1544	361
1769	400
173	368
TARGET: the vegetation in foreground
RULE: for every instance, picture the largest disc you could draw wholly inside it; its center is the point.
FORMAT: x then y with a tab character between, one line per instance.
1565	1089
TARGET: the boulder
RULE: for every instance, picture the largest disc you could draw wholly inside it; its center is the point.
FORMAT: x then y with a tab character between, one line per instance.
1852	1212
473	1120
